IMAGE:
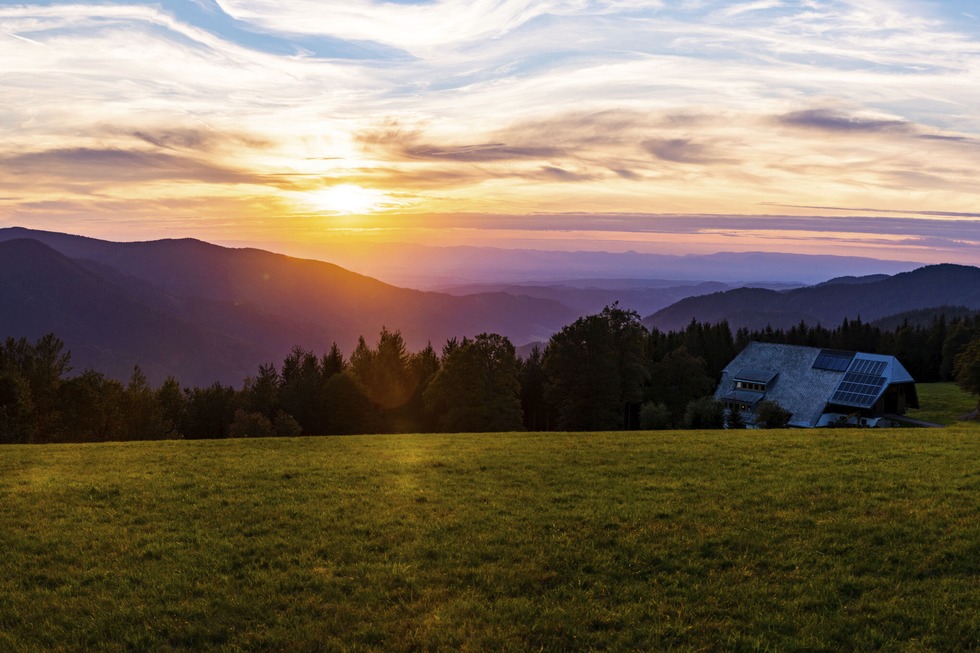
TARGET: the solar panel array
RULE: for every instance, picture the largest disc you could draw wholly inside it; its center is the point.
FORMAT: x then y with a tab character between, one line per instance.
835	361
861	385
865	366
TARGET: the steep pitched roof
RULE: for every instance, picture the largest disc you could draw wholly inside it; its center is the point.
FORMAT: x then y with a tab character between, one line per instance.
803	380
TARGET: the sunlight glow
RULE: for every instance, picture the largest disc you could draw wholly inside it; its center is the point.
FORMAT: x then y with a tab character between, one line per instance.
348	199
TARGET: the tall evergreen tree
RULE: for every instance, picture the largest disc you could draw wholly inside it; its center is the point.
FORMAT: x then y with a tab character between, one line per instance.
301	390
142	414
384	377
538	414
678	379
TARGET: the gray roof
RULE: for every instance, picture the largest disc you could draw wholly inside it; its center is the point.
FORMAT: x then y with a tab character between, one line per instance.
743	396
755	376
805	391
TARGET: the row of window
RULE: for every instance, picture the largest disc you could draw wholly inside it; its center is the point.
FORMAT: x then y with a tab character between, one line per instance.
749	385
737	406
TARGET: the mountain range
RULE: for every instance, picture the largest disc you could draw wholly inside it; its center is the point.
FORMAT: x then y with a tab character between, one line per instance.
206	313
434	267
587	296
871	298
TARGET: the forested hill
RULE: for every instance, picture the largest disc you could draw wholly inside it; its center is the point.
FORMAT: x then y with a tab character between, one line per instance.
829	303
206	313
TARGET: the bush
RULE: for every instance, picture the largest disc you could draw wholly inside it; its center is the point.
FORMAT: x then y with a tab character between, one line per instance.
733	419
286	426
704	413
654	417
250	425
770	415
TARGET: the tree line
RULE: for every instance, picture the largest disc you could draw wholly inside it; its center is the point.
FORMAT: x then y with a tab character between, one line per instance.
602	372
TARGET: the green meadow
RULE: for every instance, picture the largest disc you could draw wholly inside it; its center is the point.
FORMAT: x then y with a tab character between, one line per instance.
942	403
679	540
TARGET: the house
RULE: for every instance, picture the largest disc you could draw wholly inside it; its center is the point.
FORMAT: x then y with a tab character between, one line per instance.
819	387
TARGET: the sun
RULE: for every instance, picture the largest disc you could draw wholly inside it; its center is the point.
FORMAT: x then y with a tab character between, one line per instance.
348	199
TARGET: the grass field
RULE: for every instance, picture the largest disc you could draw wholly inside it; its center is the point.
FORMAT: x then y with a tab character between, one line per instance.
942	403
779	540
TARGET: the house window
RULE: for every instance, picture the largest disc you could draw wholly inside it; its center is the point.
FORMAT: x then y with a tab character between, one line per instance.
749	385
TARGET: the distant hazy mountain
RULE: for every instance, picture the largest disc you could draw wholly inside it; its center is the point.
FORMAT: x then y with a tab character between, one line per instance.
591	296
828	304
205	313
420	266
854	281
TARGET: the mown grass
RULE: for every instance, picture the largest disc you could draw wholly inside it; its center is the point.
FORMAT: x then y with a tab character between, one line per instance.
943	403
780	540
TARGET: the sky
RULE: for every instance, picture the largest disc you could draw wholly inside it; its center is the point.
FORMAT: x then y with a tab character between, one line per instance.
668	126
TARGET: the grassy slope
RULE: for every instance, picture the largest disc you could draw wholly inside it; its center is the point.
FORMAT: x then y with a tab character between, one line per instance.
942	403
787	540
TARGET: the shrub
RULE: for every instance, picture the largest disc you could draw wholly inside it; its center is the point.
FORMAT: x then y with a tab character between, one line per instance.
770	415
704	413
250	425
654	417
733	419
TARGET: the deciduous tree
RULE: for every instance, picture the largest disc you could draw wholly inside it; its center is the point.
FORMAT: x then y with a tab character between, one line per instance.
967	368
595	370
477	388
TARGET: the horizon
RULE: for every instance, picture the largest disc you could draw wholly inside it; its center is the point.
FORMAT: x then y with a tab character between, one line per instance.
661	127
452	268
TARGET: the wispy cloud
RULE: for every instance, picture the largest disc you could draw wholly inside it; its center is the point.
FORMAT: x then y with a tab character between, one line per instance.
681	150
832	121
96	165
513	106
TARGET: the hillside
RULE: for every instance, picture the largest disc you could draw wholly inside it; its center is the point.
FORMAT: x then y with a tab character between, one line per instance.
830	303
160	302
105	325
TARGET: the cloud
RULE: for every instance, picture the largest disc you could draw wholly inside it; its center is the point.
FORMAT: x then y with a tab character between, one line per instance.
952	139
193	139
832	121
480	152
626	174
401	141
680	150
493	105
949	214
553	173
113	166
420	28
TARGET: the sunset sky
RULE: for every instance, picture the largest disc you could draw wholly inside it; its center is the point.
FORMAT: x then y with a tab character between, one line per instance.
675	126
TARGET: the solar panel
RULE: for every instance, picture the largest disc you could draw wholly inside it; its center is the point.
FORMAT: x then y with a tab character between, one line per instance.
861	386
867	366
833	360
